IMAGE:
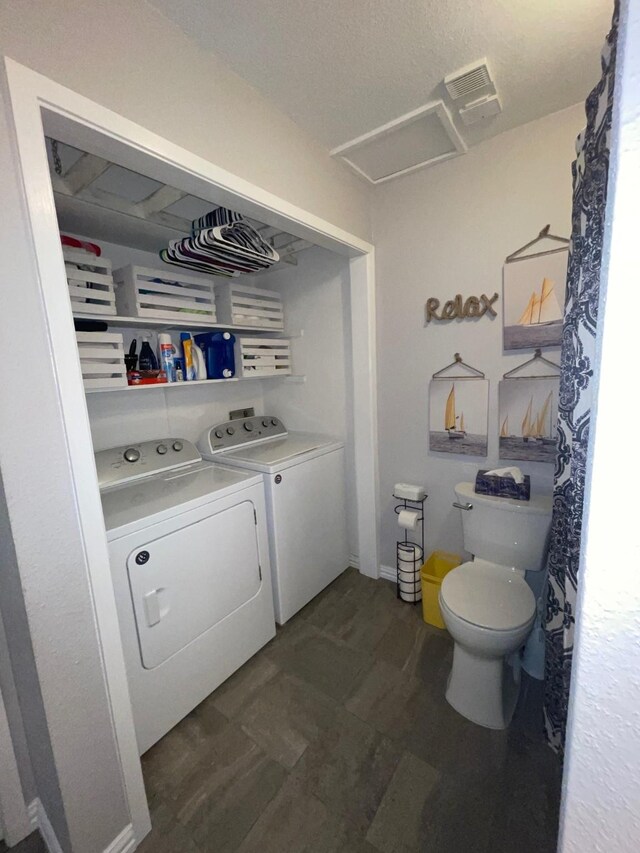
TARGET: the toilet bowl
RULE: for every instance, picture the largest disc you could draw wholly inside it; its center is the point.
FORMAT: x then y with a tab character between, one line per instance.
489	611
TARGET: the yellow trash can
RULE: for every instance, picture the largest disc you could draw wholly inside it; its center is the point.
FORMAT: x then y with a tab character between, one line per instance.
432	574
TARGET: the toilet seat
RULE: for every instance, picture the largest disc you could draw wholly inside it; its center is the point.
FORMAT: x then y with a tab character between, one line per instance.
489	596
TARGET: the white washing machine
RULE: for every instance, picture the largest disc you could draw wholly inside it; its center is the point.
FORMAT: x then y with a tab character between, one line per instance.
304	476
189	556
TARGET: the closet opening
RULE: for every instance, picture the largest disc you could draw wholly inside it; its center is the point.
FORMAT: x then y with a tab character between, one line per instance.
119	194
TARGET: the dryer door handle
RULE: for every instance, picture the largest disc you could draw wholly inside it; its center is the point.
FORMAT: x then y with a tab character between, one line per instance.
152	607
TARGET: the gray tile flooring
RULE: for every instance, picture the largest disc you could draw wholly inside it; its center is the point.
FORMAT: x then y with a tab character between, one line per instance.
32	844
336	738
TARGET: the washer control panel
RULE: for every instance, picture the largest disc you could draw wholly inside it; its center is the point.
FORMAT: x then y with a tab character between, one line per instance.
233	434
132	461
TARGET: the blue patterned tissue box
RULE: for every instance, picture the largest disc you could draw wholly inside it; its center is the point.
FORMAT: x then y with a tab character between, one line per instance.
502	487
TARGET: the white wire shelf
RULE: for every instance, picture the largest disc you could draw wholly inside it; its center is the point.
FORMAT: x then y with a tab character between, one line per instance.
154	323
103	201
172	386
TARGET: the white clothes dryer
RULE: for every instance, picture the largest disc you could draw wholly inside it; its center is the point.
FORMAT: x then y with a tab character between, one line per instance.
304	478
189	558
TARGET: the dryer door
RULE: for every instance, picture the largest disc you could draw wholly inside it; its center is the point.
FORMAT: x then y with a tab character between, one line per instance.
185	582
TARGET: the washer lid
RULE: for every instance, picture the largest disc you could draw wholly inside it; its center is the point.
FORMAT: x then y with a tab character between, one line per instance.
488	595
280	453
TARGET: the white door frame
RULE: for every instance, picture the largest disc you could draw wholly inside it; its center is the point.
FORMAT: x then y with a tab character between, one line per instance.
38	103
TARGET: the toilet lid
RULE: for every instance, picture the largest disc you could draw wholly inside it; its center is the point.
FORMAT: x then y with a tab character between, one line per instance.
488	595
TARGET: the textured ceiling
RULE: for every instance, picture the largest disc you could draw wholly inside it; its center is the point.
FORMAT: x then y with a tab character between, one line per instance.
340	68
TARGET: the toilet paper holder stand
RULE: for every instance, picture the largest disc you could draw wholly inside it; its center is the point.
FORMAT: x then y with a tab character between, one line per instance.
408	583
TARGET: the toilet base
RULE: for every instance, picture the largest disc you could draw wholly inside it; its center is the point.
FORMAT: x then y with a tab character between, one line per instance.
483	689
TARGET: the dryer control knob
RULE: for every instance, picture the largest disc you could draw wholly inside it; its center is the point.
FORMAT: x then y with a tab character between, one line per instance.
131	454
230	430
177	445
161	449
218	433
248	426
274	422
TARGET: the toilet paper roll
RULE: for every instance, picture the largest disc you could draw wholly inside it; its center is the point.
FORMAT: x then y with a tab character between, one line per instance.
408	552
408	519
410	586
410	594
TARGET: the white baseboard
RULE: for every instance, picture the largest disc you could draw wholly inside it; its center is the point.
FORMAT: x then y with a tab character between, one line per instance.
354	561
125	842
40	820
389	573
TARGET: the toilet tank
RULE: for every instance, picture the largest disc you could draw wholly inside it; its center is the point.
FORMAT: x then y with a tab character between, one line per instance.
504	531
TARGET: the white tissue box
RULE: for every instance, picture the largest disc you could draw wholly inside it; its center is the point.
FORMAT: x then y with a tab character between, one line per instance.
408	492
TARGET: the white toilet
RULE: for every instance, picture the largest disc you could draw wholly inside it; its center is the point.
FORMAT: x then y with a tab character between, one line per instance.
488	606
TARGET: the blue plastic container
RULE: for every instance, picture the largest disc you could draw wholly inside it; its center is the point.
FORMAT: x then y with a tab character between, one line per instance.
219	357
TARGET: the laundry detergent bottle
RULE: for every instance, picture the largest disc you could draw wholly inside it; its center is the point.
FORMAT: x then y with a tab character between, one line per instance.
218	349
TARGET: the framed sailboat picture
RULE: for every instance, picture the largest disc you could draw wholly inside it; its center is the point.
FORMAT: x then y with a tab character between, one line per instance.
533	300
458	414
528	411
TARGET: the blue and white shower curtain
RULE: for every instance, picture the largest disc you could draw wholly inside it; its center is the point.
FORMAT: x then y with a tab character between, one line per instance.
590	173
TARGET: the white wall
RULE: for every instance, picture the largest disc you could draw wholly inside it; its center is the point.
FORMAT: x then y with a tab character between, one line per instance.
601	803
125	55
316	298
444	231
17	671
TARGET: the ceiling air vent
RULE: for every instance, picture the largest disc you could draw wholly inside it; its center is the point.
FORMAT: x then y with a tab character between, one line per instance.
415	140
470	82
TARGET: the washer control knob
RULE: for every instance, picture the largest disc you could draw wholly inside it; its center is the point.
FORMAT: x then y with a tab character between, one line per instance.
218	433
230	430
161	449
248	426
177	445
274	422
265	422
132	454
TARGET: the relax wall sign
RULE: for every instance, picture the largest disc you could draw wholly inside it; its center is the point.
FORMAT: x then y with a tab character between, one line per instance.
459	308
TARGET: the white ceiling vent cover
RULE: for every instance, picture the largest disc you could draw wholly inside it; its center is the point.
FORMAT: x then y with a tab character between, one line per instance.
470	82
420	138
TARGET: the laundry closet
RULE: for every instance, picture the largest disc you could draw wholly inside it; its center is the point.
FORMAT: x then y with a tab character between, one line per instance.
182	582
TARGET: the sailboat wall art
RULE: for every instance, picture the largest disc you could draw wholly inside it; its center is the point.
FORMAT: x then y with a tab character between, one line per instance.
528	412
458	414
533	302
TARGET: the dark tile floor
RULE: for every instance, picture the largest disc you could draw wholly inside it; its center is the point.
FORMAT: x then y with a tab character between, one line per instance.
336	738
32	844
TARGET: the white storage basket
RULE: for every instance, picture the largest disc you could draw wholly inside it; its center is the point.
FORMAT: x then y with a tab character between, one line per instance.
102	360
241	305
90	282
262	357
143	292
